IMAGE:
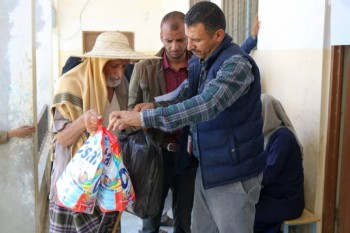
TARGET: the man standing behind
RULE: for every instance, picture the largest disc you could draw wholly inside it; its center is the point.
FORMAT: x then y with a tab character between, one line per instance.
84	95
152	78
222	105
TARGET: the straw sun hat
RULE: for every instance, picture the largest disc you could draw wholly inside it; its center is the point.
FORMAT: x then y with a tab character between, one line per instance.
115	45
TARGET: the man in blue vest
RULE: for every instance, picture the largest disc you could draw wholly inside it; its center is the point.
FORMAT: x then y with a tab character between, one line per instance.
221	104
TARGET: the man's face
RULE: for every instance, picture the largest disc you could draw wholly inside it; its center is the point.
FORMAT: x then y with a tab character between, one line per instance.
174	41
200	42
114	71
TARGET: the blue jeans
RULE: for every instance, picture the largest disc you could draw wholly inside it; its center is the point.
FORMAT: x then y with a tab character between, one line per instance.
181	184
226	209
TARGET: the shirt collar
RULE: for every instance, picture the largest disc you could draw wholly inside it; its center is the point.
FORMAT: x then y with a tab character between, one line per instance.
166	64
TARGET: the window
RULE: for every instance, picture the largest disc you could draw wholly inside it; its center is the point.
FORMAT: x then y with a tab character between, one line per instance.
239	17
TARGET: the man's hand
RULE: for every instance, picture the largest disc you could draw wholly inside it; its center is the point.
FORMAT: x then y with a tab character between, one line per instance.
24	131
139	107
124	119
89	121
255	27
92	120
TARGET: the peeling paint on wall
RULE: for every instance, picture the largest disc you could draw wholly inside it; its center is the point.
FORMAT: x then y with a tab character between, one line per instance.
17	157
5	8
20	65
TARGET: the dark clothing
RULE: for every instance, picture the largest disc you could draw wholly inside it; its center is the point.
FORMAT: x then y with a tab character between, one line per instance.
249	44
236	133
267	227
182	187
128	71
151	79
71	63
282	195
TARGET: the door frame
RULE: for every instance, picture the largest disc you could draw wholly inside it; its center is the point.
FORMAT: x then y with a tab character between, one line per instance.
337	141
344	190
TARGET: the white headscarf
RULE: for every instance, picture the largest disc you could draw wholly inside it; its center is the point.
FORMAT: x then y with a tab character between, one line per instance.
274	118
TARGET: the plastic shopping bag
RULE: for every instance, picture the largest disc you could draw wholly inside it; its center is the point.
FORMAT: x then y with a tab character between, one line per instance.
143	159
96	174
78	185
115	191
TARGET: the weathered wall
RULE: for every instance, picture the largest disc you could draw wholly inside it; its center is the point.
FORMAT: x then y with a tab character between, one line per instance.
25	88
17	194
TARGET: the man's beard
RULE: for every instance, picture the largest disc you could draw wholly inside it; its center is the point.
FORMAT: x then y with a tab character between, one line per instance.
113	81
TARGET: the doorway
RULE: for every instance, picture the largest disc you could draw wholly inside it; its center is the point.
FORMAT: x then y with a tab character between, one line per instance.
336	206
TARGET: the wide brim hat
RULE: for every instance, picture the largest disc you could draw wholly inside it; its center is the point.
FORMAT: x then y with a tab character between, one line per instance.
115	45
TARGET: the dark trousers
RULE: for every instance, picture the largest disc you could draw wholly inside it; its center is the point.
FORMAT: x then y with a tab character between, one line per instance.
181	184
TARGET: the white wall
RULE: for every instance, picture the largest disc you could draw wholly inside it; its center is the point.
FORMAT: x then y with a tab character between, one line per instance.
294	60
291	24
340	22
139	16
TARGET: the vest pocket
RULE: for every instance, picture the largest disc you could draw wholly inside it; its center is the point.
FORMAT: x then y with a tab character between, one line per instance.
233	150
234	155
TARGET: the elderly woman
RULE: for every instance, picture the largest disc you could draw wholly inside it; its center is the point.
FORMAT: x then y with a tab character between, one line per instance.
282	195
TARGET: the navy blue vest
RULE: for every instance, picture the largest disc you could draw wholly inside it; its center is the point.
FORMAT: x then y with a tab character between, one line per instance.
231	145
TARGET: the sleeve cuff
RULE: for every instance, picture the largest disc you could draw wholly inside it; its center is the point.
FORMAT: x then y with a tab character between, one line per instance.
142	122
3	137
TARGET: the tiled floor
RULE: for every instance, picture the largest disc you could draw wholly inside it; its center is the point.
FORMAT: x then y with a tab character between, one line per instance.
131	224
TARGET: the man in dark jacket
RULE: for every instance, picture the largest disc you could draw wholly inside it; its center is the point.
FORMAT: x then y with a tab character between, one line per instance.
221	103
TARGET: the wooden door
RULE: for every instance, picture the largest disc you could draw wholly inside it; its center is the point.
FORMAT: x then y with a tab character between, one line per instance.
344	189
336	206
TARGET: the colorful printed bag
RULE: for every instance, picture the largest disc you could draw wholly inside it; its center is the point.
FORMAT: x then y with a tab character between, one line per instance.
96	172
115	191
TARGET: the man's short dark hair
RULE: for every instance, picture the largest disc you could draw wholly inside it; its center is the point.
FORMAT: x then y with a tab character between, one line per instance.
207	13
175	18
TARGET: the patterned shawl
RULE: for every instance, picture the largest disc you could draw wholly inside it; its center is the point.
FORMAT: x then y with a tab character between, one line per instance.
81	89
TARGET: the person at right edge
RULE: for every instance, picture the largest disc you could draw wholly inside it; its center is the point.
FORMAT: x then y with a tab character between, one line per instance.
221	102
282	195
